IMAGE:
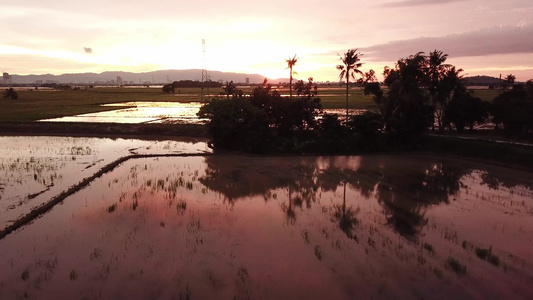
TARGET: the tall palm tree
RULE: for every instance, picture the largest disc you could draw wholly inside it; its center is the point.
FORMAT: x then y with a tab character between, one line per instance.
350	67
451	83
509	80
436	64
439	90
290	64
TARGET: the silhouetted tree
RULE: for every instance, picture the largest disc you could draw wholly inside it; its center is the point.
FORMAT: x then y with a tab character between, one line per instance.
442	80
367	126
404	107
299	86
261	122
168	88
10	93
237	124
350	66
290	64
514	109
464	110
451	84
509	81
230	89
309	89
196	83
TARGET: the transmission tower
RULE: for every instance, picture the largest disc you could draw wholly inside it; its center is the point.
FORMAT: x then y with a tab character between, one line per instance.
204	71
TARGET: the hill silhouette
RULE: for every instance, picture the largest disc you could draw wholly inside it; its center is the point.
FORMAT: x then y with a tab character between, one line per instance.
154	77
482	80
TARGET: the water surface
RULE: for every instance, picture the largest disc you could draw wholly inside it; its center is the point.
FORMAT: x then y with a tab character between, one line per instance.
158	112
142	112
33	169
236	227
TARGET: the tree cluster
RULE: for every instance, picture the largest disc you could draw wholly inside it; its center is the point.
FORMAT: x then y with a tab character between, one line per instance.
421	91
262	122
266	122
170	88
10	93
514	108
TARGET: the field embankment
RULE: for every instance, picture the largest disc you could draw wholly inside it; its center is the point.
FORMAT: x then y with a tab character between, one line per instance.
104	129
497	152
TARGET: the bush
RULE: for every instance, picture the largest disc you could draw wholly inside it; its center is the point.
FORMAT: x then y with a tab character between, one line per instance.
465	110
11	94
236	124
168	88
514	109
262	122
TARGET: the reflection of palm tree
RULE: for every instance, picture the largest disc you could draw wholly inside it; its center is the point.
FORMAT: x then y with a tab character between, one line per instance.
345	216
289	210
290	64
349	68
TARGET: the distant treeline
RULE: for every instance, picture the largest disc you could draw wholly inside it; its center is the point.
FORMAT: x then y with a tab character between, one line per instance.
420	93
169	88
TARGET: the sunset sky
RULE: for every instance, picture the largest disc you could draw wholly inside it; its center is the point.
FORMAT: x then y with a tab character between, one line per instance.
57	36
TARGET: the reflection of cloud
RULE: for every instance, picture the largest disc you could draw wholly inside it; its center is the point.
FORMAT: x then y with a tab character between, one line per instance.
495	40
408	3
88	50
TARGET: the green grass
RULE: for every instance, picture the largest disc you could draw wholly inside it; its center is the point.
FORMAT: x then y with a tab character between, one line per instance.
335	98
487	95
35	105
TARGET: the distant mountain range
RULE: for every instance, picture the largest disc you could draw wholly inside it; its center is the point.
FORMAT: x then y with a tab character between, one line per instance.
167	76
154	77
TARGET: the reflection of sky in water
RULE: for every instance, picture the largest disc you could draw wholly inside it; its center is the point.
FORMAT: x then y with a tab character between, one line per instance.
282	228
141	112
157	112
34	169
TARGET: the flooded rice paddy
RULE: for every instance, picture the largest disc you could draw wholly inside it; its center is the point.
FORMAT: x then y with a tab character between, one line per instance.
34	169
142	112
157	112
238	227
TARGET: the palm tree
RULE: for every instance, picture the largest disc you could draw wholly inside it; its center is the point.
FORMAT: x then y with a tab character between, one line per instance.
290	64
441	83
349	68
509	80
451	83
436	65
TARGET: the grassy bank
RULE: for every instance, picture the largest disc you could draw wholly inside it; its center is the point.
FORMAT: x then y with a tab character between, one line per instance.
35	105
519	156
104	129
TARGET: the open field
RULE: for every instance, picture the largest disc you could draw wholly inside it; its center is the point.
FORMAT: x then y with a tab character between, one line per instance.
35	105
